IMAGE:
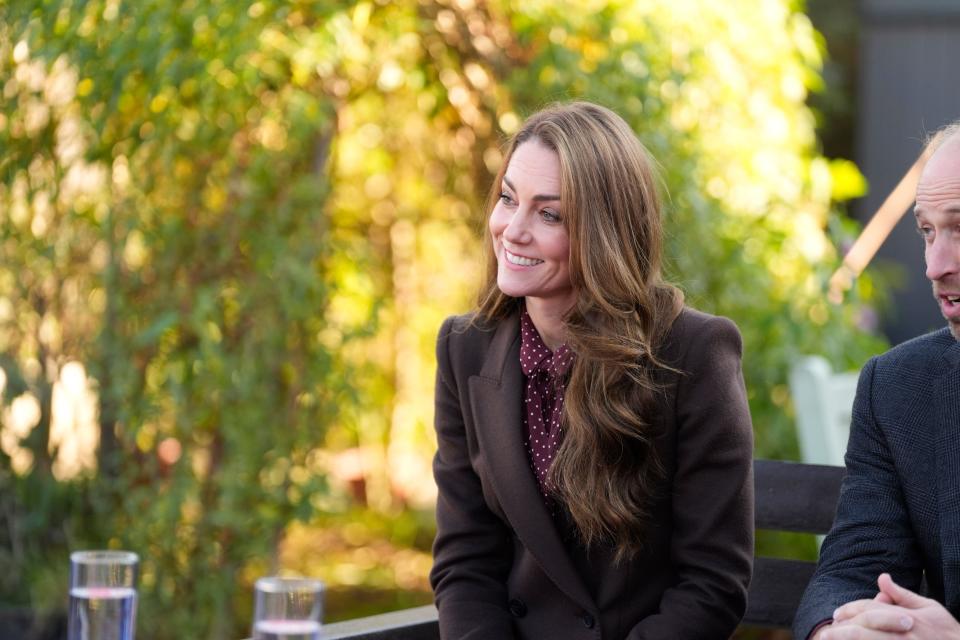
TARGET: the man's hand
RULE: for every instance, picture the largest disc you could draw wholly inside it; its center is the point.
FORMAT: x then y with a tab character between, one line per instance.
895	612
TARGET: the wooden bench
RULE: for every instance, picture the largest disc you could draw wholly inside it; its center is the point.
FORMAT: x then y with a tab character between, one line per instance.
789	497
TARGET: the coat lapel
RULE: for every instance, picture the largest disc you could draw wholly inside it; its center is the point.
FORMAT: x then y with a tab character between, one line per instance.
496	398
946	393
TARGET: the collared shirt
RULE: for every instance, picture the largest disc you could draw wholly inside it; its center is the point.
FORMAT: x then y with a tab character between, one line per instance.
546	381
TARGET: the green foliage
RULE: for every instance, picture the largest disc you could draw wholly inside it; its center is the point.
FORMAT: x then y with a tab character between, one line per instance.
165	174
247	221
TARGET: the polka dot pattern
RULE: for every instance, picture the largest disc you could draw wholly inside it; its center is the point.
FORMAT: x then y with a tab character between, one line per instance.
545	374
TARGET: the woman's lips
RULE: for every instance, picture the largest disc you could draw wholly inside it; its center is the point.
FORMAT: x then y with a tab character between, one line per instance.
520	261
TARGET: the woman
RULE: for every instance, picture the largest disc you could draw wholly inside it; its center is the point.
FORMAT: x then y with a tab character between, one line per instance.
594	441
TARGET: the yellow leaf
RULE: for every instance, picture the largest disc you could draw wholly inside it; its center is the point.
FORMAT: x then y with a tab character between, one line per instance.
847	180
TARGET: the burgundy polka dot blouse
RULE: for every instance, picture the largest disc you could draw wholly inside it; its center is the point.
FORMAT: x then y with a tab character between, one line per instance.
545	374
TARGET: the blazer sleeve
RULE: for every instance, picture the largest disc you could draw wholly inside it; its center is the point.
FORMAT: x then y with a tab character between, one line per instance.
473	547
712	542
872	532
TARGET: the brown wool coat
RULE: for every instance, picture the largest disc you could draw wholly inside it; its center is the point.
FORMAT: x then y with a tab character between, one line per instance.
503	569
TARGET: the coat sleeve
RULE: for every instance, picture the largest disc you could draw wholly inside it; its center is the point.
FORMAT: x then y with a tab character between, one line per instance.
712	540
872	532
473	548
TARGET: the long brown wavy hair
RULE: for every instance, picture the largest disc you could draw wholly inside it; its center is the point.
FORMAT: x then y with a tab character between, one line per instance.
606	467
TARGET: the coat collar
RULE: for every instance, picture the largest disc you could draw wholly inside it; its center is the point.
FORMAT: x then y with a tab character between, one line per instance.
497	397
946	413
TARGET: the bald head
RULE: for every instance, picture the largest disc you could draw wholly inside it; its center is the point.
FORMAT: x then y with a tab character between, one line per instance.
941	136
942	165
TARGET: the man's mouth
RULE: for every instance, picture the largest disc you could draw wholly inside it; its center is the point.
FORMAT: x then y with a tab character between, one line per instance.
949	305
513	258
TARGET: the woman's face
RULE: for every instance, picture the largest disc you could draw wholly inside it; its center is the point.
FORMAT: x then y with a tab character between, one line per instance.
529	235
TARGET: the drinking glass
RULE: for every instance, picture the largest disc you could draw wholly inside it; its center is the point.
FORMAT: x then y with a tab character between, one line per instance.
103	595
287	609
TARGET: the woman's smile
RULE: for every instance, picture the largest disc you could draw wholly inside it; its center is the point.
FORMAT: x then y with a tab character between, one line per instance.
519	260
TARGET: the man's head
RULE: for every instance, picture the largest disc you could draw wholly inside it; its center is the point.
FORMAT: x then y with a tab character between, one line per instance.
938	221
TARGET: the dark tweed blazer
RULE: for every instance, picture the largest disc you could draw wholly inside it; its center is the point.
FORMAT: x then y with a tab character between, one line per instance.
503	569
899	508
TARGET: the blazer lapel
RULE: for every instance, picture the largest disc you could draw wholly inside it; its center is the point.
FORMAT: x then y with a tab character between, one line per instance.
946	393
496	398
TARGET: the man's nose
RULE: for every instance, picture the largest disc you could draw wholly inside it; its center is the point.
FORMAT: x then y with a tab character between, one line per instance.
943	257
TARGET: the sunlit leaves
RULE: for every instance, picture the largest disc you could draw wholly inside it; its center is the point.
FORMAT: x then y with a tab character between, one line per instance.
178	156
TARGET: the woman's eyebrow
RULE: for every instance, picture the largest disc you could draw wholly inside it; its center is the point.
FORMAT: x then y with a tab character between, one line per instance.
540	197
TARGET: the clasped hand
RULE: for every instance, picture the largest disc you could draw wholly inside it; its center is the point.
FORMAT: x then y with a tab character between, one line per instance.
894	613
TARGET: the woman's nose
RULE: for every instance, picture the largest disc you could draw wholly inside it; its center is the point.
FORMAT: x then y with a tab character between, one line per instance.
517	230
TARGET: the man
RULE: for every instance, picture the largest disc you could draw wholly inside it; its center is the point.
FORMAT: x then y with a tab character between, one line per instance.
898	519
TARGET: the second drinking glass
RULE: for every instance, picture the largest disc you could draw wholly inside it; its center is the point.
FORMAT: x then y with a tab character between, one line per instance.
287	609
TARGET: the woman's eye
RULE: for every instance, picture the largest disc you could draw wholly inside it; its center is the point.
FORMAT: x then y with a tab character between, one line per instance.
550	216
505	198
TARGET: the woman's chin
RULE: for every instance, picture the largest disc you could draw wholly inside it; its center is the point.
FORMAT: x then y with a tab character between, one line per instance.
511	289
513	293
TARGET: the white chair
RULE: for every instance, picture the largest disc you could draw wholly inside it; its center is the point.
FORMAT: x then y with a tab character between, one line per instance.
823	400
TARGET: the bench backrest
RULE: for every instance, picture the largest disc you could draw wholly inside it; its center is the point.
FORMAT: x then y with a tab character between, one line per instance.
789	497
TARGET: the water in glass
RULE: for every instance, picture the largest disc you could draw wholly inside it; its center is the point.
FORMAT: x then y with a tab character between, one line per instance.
102	613
286	630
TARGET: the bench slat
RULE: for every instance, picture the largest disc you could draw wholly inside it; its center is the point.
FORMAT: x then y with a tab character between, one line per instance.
792	496
419	623
775	591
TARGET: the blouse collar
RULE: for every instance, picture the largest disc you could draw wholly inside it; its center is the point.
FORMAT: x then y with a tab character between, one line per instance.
534	354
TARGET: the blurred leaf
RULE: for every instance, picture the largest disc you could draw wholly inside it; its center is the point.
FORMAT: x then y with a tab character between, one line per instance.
847	181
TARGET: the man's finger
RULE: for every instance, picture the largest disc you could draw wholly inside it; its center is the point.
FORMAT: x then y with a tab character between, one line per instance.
855	608
900	595
893	619
879	616
854	632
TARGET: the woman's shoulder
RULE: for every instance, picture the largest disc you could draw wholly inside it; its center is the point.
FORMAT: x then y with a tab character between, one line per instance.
464	327
697	331
465	341
466	332
693	321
